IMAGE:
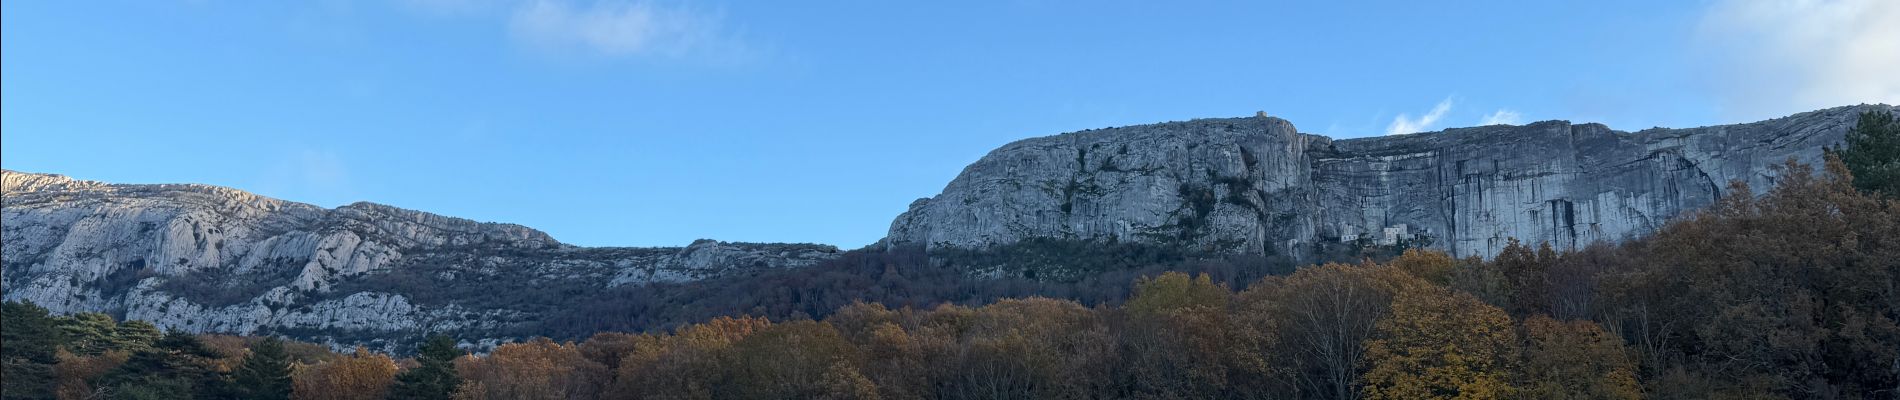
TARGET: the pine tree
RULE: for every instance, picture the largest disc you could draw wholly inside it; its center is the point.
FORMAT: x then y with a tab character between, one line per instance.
136	335
92	333
1873	153
435	378
178	366
89	333
31	341
265	374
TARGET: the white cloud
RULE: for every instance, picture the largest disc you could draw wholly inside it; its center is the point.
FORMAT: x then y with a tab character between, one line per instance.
1406	124
1775	57
623	29
1502	117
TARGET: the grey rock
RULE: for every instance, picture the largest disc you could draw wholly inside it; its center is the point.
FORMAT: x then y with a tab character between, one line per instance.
74	245
1256	185
212	259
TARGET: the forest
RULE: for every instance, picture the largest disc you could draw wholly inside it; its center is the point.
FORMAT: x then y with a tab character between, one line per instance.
1791	294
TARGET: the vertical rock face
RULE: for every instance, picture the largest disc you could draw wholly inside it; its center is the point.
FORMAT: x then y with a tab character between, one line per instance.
1230	184
1255	185
207	258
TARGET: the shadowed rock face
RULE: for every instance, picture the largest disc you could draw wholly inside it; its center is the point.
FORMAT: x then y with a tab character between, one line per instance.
1256	185
212	259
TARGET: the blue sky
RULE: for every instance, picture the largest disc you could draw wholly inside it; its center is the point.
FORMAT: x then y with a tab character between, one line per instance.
641	123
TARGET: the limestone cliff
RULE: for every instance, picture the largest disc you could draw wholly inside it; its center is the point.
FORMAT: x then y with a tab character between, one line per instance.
207	258
1258	185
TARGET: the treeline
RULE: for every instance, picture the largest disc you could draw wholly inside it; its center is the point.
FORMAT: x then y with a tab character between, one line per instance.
904	276
1089	272
91	356
1789	295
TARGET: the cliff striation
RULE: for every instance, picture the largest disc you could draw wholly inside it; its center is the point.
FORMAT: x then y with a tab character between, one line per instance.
1258	185
213	259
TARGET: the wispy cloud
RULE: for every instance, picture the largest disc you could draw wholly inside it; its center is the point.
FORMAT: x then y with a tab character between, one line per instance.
1774	57
1502	117
1406	124
625	29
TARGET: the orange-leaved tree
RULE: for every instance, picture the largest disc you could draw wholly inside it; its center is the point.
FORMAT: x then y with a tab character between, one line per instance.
1441	344
1576	360
359	376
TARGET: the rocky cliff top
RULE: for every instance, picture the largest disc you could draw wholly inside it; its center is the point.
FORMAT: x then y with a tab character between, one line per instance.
1256	185
207	258
24	189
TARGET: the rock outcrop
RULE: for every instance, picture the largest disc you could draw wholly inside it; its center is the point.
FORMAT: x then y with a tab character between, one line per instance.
1258	185
212	259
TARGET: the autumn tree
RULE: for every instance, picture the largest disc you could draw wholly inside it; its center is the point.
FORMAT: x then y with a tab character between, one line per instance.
362	375
1522	271
1441	344
1430	265
895	360
689	364
1575	360
797	359
537	369
434	378
1574	280
859	320
1485	279
1321	317
1181	341
1176	291
843	382
1021	348
608	348
907	354
76	373
1788	294
634	357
